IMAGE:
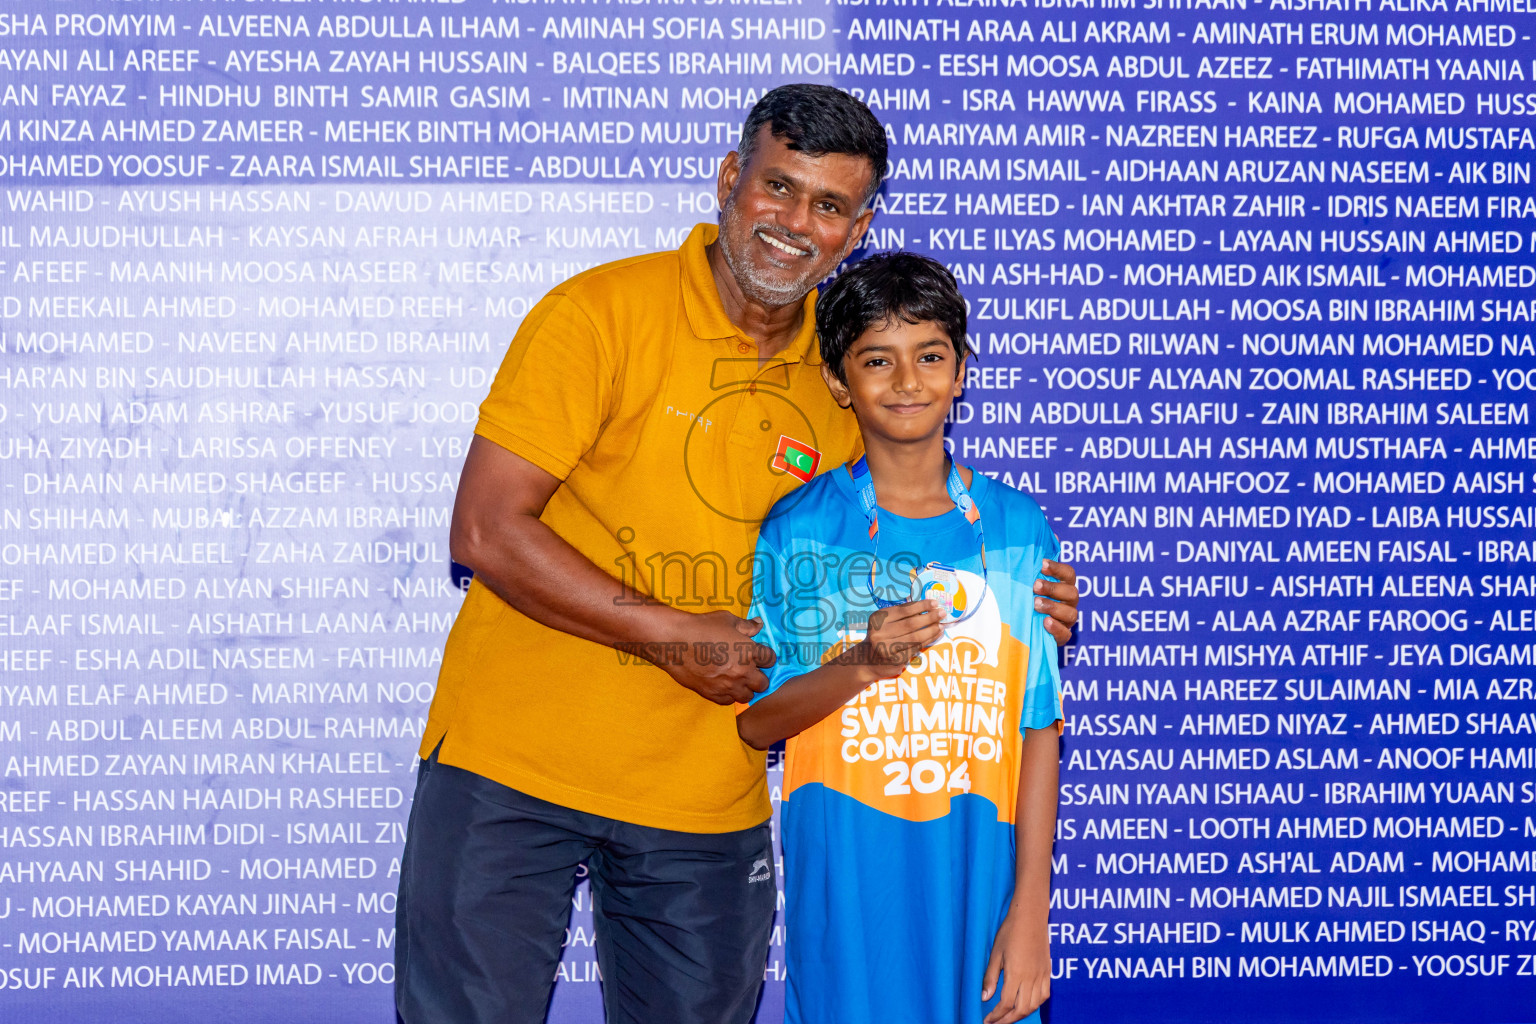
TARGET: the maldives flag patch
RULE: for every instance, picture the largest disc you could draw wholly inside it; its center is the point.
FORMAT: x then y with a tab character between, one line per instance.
796	458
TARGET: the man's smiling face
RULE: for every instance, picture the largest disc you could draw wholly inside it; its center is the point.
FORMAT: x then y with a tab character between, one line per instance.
787	219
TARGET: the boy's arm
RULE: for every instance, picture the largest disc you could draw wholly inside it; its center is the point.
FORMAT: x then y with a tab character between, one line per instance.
895	635
1022	949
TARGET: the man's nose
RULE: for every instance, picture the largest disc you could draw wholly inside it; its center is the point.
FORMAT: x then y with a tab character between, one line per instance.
795	216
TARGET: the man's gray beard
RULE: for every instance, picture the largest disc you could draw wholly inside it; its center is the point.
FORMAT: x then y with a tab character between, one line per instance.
752	286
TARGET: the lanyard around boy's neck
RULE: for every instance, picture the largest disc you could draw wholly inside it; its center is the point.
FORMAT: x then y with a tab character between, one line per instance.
864	486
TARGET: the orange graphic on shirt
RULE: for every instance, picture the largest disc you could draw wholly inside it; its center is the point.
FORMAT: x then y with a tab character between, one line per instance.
948	725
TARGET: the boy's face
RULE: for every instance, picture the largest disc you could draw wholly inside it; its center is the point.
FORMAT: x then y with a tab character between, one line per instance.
901	380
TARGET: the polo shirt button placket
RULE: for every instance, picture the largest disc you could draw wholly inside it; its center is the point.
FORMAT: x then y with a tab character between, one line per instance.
743	347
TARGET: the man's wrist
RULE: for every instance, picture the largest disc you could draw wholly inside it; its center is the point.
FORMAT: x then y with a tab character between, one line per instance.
657	625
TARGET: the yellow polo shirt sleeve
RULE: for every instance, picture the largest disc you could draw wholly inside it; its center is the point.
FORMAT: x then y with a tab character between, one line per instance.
550	398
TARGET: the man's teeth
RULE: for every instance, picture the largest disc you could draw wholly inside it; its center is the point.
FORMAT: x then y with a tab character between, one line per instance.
780	245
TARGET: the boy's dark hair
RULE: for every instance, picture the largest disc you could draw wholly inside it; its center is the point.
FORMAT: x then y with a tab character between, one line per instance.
877	290
818	119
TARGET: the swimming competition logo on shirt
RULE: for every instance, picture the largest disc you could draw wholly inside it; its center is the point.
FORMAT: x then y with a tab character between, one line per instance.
947	725
796	458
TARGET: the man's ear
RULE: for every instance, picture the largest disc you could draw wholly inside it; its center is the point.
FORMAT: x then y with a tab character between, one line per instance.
960	375
725	181
860	226
839	390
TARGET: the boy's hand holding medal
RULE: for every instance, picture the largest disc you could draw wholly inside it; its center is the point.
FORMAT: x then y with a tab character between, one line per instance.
895	636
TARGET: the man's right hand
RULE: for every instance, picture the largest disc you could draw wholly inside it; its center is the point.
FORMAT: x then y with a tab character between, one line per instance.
717	659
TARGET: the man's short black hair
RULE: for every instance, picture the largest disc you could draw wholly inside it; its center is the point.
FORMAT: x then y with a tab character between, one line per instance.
816	120
877	290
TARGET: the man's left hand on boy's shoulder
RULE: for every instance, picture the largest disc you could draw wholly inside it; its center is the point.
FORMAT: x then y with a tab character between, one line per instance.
1058	599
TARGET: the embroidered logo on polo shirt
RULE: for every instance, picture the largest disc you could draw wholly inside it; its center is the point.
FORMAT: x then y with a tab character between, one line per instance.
796	458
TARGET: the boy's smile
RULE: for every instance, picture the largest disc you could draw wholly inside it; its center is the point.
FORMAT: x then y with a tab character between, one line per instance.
902	379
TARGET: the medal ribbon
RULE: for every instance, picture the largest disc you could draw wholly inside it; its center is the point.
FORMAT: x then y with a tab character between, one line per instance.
864	486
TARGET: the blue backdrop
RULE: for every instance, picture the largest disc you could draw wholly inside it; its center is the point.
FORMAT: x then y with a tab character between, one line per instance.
1253	289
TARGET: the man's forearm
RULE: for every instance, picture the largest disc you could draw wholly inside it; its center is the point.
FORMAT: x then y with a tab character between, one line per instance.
535	570
497	532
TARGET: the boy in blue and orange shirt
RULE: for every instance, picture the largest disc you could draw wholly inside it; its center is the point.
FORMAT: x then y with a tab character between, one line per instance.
917	687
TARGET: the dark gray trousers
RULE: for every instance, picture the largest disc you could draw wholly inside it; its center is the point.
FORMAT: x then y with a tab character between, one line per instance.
682	919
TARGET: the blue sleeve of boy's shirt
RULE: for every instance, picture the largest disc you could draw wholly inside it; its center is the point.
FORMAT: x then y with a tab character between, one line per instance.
770	605
1042	691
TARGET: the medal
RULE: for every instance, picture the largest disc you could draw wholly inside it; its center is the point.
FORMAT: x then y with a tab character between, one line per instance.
938	582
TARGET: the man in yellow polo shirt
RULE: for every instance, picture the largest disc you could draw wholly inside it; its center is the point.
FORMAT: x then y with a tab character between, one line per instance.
648	414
